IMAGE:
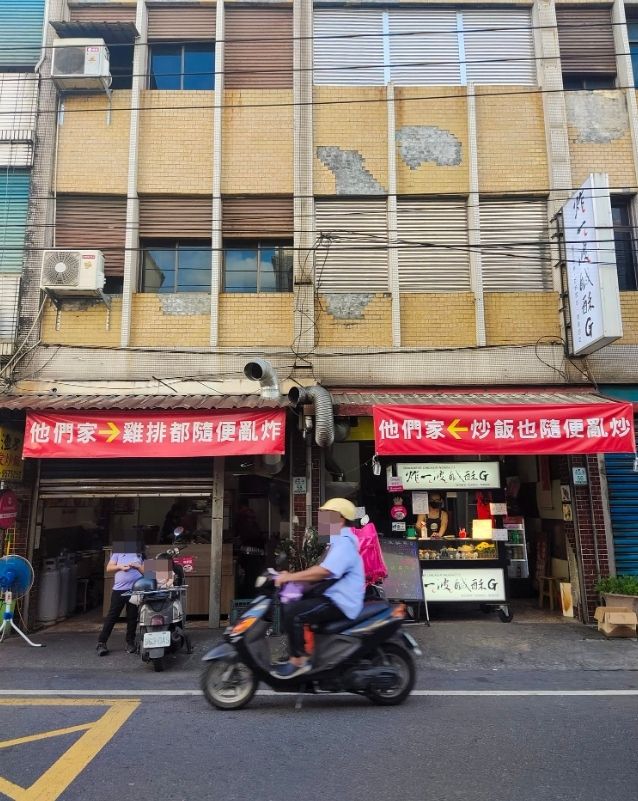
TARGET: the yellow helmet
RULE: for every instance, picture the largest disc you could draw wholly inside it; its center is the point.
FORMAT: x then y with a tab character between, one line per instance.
345	507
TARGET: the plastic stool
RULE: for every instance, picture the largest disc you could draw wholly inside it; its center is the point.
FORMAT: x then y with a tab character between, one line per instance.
548	587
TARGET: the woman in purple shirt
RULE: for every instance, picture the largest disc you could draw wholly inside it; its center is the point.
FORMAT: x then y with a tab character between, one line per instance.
128	568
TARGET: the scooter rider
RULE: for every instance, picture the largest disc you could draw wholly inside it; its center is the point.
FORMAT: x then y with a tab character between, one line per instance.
343	598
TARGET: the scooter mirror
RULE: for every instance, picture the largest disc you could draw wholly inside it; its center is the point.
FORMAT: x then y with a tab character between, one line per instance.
260	581
178	531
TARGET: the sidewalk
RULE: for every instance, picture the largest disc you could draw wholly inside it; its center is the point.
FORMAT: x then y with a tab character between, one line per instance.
455	641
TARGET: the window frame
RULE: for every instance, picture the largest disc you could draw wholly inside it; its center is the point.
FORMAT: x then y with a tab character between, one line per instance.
182	61
629	270
259	245
174	245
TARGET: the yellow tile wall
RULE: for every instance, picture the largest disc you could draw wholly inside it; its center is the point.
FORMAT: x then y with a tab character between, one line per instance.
441	320
374	329
341	122
448	114
519	318
151	326
629	310
512	150
85	326
615	157
93	156
257	141
256	320
176	142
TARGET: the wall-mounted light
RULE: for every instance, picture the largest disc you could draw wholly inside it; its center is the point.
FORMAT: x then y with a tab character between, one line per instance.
376	466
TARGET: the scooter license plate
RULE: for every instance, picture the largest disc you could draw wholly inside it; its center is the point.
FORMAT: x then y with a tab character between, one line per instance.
157	639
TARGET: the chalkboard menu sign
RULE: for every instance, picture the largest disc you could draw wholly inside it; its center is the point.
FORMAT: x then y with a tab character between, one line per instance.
404	574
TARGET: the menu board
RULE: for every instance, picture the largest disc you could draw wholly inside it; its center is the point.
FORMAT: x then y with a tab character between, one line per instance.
401	557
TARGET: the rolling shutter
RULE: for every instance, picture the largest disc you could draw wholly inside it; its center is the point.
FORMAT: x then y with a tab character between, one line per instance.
348	47
18	105
586	40
622	485
439	268
9	297
180	23
176	217
14	207
262	64
103	13
515	246
424	47
499	47
355	257
21	23
257	217
93	222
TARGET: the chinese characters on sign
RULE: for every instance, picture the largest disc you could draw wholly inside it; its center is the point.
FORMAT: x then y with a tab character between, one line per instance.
453	475
594	299
11	464
486	584
513	429
141	434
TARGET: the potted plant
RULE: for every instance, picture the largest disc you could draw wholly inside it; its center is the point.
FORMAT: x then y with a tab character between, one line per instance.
302	552
619	591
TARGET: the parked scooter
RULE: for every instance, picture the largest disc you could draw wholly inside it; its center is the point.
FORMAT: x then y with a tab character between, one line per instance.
161	616
369	656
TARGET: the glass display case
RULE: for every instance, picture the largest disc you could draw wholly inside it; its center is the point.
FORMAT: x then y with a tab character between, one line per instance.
456	549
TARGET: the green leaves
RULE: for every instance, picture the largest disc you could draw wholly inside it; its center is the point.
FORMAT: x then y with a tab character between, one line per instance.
618	585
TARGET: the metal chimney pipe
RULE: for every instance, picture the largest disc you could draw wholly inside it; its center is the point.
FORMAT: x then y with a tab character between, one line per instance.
263	371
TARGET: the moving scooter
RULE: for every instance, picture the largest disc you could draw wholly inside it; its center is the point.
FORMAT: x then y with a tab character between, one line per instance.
161	616
369	656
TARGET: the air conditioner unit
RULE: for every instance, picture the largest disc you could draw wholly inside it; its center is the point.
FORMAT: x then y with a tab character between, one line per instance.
81	65
72	273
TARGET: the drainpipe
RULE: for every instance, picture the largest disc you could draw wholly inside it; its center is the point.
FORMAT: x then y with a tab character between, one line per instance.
324	415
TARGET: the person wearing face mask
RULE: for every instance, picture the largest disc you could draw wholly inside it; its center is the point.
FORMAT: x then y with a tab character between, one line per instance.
434	524
342	570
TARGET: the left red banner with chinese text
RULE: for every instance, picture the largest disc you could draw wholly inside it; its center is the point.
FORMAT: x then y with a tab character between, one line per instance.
114	435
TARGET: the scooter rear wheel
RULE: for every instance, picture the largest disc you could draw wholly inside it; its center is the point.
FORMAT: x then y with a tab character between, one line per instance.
396	657
228	685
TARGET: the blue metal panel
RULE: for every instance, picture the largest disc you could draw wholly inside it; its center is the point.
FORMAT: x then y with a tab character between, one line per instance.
622	484
14	205
21	24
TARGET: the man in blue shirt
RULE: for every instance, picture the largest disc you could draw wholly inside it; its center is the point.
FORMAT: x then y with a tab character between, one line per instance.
342	599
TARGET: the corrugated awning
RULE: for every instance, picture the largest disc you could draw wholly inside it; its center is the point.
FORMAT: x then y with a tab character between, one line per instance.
111	32
53	402
352	402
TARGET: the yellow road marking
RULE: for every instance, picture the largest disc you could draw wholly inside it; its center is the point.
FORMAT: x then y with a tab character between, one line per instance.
32	738
68	767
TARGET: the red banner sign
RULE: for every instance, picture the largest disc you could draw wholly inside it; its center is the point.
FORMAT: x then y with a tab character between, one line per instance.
501	430
104	435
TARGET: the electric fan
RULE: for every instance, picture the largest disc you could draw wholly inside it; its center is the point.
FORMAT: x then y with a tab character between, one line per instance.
16	579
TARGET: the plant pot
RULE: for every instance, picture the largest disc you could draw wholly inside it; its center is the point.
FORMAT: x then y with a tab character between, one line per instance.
628	601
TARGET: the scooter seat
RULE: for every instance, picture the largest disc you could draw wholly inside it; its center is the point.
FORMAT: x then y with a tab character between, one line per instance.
369	610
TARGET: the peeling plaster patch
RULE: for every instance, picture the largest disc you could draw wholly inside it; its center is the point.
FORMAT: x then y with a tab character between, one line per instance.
599	117
349	171
185	304
419	144
350	306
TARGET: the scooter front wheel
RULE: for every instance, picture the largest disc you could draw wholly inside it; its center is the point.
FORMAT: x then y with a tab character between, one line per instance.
228	685
398	658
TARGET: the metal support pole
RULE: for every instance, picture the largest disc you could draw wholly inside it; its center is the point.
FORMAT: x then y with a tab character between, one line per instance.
216	544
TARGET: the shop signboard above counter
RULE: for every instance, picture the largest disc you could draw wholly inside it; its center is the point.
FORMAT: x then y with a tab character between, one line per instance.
449	475
449	584
118	434
504	429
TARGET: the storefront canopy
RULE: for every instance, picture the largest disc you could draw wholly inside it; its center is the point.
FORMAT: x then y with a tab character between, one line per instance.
135	433
504	429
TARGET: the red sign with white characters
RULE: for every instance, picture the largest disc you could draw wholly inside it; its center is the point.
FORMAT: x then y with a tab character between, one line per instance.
105	435
8	509
499	430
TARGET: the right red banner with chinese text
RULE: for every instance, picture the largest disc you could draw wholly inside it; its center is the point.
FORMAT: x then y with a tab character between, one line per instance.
504	429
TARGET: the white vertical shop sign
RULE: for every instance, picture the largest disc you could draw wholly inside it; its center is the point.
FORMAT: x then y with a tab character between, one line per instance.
594	298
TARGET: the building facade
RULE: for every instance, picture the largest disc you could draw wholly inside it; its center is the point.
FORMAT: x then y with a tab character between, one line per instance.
364	195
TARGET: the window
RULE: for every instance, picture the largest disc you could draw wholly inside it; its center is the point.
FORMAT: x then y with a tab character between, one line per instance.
624	242
176	266
632	29
182	66
587	82
257	266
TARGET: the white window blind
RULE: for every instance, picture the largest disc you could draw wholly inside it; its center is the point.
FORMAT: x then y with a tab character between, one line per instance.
353	256
424	47
348	47
515	254
441	262
499	47
9	296
18	104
